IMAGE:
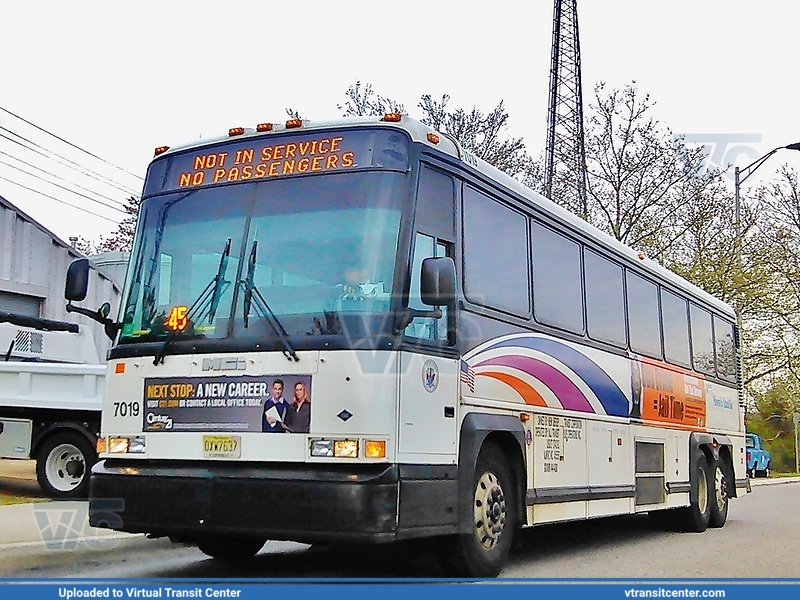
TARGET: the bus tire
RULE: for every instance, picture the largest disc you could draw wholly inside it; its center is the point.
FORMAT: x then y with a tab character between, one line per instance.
695	517
227	548
63	465
719	494
483	552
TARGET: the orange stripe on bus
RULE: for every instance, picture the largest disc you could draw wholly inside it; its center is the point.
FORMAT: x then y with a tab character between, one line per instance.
530	395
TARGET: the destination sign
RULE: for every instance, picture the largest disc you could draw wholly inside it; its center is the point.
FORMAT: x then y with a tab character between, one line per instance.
277	156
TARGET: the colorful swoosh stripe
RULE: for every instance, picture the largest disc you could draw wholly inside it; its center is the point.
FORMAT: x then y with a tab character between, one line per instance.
557	378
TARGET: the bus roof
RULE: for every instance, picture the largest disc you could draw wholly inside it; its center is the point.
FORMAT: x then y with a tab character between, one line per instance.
419	132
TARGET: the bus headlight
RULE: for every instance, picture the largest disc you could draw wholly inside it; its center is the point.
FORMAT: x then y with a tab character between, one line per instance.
345	448
126	445
335	448
136	446
321	447
118	445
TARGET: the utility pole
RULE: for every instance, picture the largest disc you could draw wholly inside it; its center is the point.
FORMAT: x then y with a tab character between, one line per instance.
565	151
796	419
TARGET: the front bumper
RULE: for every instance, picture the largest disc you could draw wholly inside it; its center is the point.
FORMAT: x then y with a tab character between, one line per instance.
305	503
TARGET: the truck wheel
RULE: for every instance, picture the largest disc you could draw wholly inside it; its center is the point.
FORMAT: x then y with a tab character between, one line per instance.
483	552
719	495
63	465
227	548
695	517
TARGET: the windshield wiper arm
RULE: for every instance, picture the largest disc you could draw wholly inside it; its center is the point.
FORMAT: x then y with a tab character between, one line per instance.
262	307
212	292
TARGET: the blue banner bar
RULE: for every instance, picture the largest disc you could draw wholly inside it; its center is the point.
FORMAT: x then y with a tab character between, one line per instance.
395	590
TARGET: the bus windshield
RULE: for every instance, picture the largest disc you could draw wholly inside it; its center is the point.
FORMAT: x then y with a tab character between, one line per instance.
308	247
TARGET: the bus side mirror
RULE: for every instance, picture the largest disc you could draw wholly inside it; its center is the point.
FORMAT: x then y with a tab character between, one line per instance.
438	281
77	280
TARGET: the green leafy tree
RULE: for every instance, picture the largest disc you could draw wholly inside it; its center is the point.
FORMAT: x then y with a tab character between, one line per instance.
772	421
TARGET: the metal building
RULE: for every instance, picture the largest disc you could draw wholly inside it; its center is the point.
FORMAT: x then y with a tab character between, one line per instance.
33	268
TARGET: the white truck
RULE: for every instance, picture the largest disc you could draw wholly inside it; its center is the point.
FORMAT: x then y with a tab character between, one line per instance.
51	396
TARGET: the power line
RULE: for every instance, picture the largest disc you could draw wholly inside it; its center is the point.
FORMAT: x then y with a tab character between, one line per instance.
60	186
69	163
59	177
60	201
70	143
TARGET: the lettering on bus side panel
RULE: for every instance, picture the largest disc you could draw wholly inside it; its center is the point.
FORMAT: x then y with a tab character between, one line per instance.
672	395
553	437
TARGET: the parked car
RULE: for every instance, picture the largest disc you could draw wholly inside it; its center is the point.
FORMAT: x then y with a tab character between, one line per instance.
758	458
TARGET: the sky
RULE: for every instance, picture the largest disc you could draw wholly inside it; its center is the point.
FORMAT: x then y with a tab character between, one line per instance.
118	80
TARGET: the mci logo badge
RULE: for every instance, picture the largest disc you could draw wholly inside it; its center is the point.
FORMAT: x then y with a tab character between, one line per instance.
224	364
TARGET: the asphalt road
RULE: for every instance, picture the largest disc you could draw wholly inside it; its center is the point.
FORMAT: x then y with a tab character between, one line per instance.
759	540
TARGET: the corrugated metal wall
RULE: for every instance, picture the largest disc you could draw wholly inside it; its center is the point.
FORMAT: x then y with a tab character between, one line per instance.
34	261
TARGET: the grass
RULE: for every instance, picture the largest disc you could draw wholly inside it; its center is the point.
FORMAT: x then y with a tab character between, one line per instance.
7	499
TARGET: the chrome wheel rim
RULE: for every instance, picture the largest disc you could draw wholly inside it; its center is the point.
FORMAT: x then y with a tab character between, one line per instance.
720	489
702	492
489	510
65	467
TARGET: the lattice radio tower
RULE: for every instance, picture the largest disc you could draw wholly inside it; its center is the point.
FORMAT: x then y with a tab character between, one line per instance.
565	169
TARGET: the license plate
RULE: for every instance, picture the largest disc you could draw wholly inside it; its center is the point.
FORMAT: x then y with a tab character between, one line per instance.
222	446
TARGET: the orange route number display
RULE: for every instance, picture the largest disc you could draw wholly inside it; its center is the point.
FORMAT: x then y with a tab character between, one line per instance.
177	319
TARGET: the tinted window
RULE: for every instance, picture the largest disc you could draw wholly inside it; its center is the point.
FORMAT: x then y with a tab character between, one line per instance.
702	340
643	326
726	353
435	203
675	321
557	290
495	254
605	299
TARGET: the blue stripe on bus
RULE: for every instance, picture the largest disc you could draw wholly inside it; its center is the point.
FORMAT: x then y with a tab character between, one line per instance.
607	391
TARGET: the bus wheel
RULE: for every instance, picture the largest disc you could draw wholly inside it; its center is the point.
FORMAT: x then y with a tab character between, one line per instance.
483	552
719	496
696	516
63	464
231	548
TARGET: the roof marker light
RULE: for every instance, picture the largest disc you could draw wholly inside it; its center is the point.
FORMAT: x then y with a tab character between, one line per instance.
160	150
235	131
294	123
433	138
392	117
262	127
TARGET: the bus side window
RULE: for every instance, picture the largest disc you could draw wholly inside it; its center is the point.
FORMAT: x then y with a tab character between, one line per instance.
425	328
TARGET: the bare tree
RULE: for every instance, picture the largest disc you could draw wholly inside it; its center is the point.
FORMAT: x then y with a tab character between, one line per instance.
479	133
363	101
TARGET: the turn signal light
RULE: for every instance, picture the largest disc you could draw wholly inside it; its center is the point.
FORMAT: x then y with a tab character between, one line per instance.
160	150
375	449
100	446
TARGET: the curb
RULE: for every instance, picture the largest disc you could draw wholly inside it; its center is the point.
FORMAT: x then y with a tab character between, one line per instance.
775	481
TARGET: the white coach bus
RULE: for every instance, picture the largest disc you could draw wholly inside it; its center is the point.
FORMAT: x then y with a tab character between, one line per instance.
357	331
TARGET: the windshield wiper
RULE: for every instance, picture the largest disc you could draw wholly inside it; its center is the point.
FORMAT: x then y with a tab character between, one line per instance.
209	296
251	293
